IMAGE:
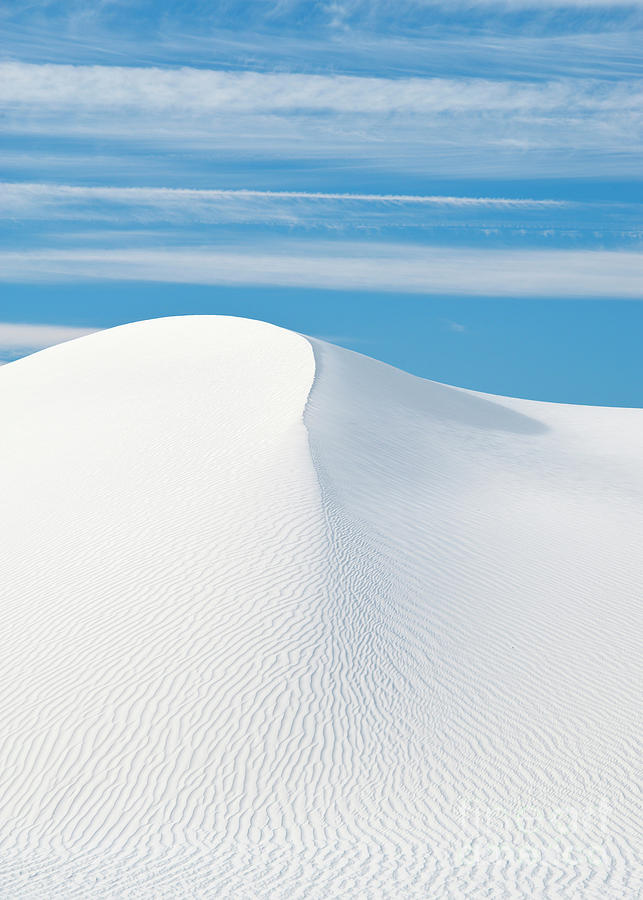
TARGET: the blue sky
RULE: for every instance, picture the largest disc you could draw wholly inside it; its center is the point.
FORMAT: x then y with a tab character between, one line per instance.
455	188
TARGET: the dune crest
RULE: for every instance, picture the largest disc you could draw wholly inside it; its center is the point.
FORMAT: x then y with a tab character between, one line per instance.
284	621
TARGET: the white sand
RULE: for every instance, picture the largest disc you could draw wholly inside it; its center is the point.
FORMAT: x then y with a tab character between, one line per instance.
282	621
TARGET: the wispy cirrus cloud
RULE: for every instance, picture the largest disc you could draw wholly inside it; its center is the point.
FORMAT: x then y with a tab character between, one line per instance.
574	51
125	206
197	91
350	266
333	15
457	327
450	124
354	6
18	339
24	196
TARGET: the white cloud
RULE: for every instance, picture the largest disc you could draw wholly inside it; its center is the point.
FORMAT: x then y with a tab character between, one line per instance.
46	201
355	5
19	339
19	192
18	334
443	125
351	266
200	91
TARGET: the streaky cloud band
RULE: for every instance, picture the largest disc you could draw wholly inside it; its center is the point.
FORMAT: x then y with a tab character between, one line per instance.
193	91
395	268
26	196
18	338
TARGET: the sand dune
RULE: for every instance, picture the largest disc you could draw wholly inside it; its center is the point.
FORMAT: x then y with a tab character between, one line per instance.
282	621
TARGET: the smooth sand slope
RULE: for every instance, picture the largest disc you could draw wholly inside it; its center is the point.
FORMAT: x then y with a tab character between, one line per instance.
282	621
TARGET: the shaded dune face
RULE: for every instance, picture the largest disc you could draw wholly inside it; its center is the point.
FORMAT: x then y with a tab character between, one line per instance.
284	621
495	542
